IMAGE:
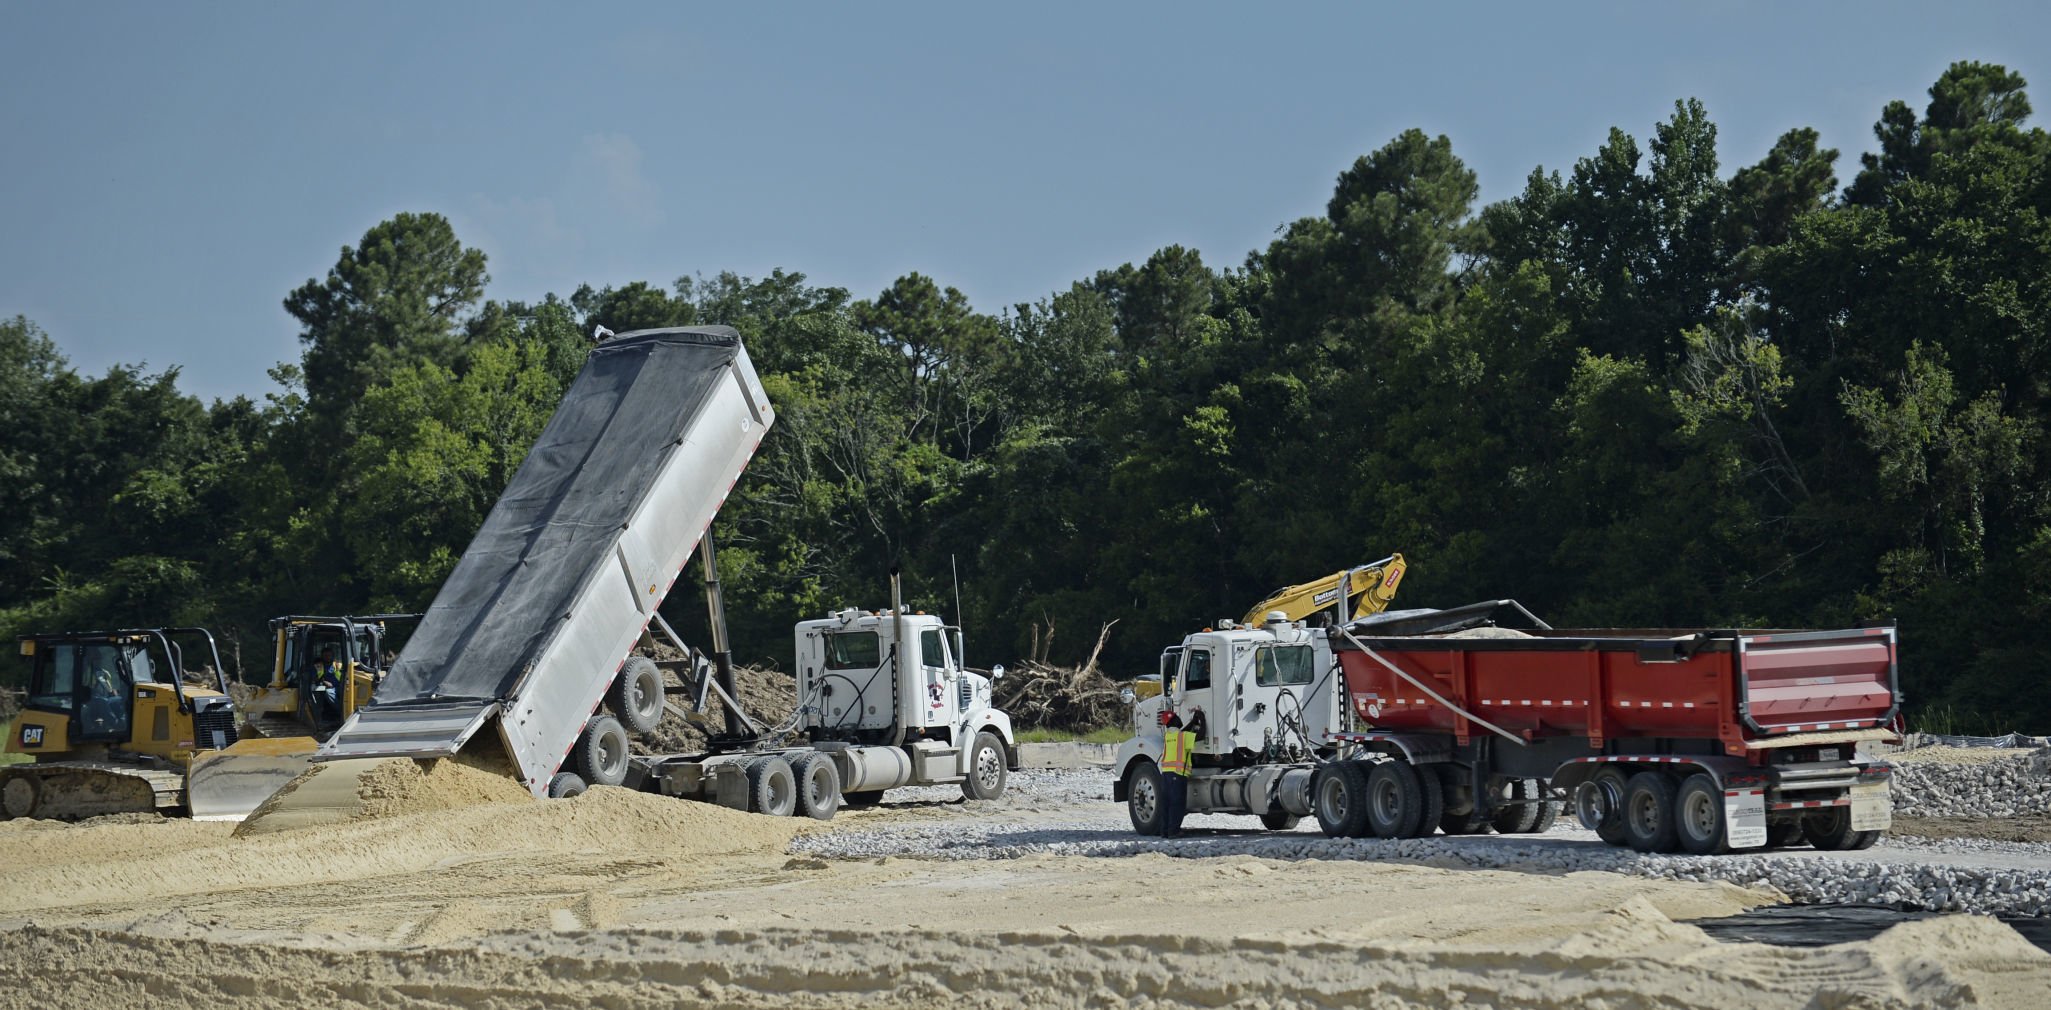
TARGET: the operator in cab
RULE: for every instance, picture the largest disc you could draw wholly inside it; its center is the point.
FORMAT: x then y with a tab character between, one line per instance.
1178	742
327	686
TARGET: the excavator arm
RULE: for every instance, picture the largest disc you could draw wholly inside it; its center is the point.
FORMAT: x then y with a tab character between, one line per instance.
1347	595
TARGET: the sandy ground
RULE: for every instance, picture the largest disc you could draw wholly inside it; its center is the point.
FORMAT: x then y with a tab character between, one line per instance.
626	900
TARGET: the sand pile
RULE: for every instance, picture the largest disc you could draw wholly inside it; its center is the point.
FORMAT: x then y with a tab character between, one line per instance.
110	865
337	792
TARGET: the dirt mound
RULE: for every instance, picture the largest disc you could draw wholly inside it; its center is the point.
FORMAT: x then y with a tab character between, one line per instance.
343	791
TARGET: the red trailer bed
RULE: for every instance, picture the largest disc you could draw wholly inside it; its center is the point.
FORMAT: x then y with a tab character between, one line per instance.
1746	689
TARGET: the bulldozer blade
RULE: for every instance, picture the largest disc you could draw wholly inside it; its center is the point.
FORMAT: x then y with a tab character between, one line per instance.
226	785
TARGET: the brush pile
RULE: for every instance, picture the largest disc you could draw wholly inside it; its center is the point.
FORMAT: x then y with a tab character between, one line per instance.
1041	695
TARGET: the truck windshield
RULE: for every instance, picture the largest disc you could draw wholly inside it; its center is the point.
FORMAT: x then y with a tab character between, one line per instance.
1282	664
852	650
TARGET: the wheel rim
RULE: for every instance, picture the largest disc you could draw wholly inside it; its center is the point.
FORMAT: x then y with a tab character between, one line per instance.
612	754
987	769
815	789
1331	798
1143	799
1698	815
1645	813
1387	801
781	790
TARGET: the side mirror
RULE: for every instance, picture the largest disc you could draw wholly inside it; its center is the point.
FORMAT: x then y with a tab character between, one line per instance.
1127	696
997	672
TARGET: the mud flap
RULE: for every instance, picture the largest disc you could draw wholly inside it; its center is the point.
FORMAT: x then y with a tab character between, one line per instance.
225	785
1872	809
1744	817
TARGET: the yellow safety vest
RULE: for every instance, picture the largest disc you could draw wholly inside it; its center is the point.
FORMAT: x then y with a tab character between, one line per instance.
1175	745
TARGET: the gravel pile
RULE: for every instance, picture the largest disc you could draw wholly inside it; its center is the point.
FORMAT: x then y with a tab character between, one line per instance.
1092	826
1947	782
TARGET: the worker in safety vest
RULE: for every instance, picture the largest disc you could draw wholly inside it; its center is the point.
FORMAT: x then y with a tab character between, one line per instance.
1178	743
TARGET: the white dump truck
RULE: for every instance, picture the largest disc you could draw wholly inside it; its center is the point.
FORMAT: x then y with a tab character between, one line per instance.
529	644
883	702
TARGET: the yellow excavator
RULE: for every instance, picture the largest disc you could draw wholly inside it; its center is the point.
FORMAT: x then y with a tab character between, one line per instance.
111	726
1348	594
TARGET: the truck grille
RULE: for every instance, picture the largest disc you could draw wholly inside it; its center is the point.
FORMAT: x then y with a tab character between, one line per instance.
213	729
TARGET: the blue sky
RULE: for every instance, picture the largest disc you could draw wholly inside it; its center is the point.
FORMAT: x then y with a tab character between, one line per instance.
170	172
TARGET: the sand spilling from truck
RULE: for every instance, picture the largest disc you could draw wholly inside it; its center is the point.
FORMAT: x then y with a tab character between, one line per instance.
338	792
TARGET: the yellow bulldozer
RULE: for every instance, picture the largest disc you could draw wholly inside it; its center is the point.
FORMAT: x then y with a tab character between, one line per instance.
110	724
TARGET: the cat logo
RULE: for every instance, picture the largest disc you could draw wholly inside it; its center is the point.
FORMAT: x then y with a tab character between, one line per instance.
32	736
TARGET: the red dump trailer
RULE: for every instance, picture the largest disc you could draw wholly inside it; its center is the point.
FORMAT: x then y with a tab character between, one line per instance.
1483	718
1661	738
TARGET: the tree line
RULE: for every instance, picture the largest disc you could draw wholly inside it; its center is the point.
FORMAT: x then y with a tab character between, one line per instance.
1641	392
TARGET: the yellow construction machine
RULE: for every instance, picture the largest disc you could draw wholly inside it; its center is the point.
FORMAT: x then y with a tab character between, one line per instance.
1345	595
111	726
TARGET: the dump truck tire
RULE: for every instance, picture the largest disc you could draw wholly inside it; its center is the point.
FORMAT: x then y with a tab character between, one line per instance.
1338	798
1280	820
600	757
772	787
1395	800
986	776
1649	812
1698	817
1143	798
1432	791
565	785
1519	819
1831	831
636	695
818	786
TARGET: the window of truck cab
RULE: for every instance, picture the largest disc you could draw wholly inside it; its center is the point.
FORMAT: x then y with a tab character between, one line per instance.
1283	665
852	650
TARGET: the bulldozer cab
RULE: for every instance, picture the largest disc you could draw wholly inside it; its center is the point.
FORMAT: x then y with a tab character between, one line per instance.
90	679
300	686
119	689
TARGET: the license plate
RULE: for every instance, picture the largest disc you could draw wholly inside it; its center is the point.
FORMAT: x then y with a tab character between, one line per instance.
1826	754
1872	810
1744	813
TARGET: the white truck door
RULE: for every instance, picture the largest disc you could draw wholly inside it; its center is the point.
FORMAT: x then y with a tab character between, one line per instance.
1193	690
941	706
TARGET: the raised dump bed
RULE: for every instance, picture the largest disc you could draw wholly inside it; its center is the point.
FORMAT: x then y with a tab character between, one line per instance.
566	573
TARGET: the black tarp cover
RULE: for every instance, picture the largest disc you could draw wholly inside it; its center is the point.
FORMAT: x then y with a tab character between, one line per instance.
559	517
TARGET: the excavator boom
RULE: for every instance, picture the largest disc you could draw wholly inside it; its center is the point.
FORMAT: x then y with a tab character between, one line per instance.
1349	594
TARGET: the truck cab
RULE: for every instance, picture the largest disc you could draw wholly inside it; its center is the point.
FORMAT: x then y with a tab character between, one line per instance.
873	677
1269	695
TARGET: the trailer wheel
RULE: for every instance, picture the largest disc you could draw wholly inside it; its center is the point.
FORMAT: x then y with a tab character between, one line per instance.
1519	819
1599	805
1783	834
1431	791
600	757
818	786
1548	811
1280	820
1143	799
1338	796
1831	830
986	768
19	794
1649	812
1698	817
565	785
772	787
1395	799
636	695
